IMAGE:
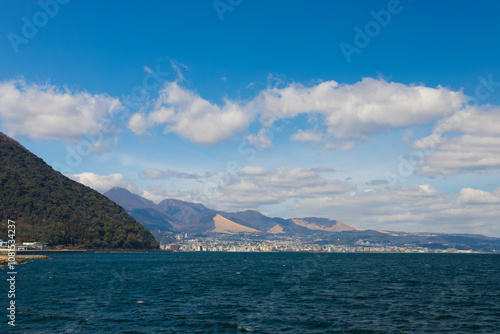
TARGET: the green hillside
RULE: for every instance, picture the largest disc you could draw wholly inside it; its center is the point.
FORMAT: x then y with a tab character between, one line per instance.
49	207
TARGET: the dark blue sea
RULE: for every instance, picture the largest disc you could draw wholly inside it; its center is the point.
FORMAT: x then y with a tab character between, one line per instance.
256	293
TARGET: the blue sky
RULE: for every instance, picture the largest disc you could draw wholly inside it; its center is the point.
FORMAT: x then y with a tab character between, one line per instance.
383	114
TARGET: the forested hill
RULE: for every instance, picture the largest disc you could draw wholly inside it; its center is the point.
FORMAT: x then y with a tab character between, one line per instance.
49	207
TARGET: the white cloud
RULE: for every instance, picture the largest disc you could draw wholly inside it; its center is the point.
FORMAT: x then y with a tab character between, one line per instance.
102	183
349	111
138	123
44	111
482	120
161	115
185	113
473	144
360	109
463	154
307	136
476	196
261	140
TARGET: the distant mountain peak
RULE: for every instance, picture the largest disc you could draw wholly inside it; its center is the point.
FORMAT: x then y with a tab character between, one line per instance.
178	202
128	200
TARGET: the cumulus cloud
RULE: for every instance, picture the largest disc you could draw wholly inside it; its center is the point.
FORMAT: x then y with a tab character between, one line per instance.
185	113
469	141
476	196
44	111
102	183
360	109
139	124
350	112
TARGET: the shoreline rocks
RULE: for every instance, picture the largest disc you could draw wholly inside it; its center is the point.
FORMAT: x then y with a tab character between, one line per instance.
21	259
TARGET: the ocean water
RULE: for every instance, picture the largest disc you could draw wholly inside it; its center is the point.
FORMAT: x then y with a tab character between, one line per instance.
256	293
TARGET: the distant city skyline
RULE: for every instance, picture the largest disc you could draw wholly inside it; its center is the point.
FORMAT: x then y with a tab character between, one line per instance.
381	114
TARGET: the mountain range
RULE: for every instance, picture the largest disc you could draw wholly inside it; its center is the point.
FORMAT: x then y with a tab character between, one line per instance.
180	216
172	215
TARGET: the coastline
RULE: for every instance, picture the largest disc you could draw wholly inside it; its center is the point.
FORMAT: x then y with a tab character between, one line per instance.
4	259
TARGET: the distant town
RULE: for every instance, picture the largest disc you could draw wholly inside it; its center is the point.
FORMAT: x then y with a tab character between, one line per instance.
241	243
185	242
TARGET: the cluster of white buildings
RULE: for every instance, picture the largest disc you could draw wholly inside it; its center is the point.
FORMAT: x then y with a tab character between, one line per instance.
25	245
